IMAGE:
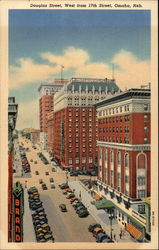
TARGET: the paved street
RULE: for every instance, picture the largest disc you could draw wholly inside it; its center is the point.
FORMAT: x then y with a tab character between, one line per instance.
68	228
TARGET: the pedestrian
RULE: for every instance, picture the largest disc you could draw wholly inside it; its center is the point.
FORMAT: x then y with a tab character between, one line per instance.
120	235
25	184
114	237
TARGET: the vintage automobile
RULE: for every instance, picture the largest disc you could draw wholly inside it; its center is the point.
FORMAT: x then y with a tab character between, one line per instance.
70	195
63	207
97	230
73	199
83	213
93	226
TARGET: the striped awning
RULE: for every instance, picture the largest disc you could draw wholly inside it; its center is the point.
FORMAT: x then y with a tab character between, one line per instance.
136	233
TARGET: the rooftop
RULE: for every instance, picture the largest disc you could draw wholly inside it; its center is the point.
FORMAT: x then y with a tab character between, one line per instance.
128	94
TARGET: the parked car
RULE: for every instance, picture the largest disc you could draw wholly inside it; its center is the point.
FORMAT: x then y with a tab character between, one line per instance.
63	207
97	230
41	209
73	199
93	226
80	172
44	187
70	195
53	170
31	160
67	190
51	179
80	208
63	186
32	190
73	173
83	213
76	204
41	181
52	186
101	236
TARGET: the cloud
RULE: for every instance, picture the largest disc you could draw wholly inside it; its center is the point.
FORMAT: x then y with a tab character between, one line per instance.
72	58
29	71
28	114
129	70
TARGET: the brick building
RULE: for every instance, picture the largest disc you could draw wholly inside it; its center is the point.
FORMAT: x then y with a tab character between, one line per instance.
46	103
124	154
12	117
50	129
75	121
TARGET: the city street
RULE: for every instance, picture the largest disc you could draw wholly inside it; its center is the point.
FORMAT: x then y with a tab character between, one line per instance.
66	227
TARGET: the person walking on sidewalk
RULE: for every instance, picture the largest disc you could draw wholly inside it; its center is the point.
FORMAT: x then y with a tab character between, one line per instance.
114	237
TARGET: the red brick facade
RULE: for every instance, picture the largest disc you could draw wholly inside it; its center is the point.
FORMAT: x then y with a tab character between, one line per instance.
46	105
50	130
75	137
125	134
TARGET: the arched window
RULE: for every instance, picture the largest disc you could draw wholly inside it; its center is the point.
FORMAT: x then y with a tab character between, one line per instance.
100	154
127	160
119	158
105	155
141	161
111	156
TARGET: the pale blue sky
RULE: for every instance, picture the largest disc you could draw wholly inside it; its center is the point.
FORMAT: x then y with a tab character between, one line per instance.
102	34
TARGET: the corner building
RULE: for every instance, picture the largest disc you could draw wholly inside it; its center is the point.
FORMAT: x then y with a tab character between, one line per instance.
124	153
75	121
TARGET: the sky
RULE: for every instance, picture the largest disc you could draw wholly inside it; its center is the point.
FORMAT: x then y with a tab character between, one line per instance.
86	42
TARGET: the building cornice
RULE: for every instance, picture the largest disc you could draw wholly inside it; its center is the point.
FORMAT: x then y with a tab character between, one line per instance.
129	147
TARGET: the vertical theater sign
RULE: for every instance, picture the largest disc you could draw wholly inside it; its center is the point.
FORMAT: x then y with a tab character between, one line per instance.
18	211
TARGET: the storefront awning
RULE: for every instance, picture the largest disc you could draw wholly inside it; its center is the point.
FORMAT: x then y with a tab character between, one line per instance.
134	231
103	203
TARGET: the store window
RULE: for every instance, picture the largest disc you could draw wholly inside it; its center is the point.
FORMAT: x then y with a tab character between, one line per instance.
141	209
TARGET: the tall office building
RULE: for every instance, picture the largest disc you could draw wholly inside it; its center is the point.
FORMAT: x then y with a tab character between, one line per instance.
75	121
124	125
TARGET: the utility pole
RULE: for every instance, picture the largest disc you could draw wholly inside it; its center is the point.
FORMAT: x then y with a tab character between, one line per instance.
62	67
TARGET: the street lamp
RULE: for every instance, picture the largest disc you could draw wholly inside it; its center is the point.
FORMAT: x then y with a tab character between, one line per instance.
111	217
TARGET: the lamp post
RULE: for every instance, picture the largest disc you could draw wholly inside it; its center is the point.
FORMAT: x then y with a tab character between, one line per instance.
66	177
111	217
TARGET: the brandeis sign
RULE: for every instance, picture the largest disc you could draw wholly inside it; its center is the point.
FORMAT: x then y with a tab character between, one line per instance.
18	211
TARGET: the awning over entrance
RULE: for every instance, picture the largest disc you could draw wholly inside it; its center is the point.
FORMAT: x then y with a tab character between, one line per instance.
103	203
134	231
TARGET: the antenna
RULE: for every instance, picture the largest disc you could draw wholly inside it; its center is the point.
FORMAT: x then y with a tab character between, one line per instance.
113	71
62	67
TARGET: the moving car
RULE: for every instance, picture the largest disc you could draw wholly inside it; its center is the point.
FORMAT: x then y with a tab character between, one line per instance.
37	172
51	180
41	181
32	190
53	170
52	186
44	187
63	207
46	173
35	162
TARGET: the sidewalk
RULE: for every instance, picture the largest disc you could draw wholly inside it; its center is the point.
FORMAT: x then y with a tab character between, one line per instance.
100	215
28	229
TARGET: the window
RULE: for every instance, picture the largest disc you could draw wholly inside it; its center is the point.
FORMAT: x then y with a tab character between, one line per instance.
69	160
145	129
90	160
126	179
117	119
141	180
83	159
119	158
77	160
127	160
100	154
121	129
145	140
145	107
111	156
141	193
117	129
105	155
141	209
121	119
145	118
